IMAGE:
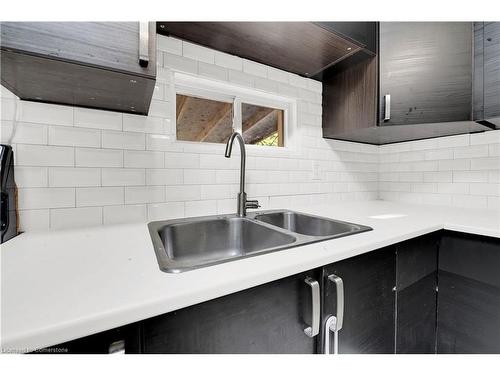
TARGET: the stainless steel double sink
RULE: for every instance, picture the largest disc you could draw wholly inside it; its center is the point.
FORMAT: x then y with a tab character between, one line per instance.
190	243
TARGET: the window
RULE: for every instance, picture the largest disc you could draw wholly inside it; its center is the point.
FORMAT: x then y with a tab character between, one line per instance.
203	120
262	125
209	111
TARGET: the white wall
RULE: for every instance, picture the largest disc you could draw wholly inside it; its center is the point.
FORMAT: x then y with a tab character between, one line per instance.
462	171
77	167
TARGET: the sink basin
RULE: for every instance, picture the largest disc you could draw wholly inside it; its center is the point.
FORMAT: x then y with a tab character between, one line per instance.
308	225
193	243
186	244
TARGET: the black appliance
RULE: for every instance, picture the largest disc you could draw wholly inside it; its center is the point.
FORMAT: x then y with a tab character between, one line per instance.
8	194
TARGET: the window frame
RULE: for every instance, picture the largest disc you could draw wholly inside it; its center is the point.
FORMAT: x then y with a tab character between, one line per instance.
192	85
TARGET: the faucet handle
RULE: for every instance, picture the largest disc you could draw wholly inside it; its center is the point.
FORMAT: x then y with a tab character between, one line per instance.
252	203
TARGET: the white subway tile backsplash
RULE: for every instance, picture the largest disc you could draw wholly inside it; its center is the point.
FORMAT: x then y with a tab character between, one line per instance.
469	201
143	124
468	168
485	189
138	171
144	194
241	78
453	141
99	196
123	177
46	113
183	193
212	71
73	136
470	176
86	157
143	159
34	155
31	176
26	132
123	140
201	208
199	176
180	63
75	217
34	198
228	61
471	152
485	163
165	211
196	52
171	45
124	214
278	75
454	165
255	69
164	176
181	160
92	118
31	220
72	177
485	138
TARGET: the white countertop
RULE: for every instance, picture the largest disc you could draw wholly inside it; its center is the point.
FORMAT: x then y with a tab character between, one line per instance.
61	285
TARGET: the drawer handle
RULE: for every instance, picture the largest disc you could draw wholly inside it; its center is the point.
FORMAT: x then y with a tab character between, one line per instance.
313	330
144	44
387	107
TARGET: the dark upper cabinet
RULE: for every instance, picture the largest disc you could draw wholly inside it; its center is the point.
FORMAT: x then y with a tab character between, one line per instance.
469	294
426	68
369	303
364	33
270	318
107	65
303	48
487	72
423	72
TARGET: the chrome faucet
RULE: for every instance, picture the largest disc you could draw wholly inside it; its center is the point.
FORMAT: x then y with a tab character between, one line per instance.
243	203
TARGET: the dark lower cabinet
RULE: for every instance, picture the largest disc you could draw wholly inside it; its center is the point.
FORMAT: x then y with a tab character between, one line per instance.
390	305
416	294
369	302
469	294
270	318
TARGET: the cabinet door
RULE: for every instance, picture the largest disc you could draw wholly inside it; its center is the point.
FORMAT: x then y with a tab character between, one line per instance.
469	294
369	302
112	45
492	71
426	68
270	318
416	295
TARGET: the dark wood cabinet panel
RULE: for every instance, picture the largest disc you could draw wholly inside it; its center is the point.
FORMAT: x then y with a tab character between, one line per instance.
88	64
492	71
416	283
112	45
369	302
469	294
350	96
298	47
266	319
361	32
427	70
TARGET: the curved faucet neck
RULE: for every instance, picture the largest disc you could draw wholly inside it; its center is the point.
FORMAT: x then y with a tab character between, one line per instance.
229	147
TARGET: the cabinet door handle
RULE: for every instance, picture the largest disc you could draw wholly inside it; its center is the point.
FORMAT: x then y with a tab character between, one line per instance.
313	330
387	107
144	44
339	286
334	322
